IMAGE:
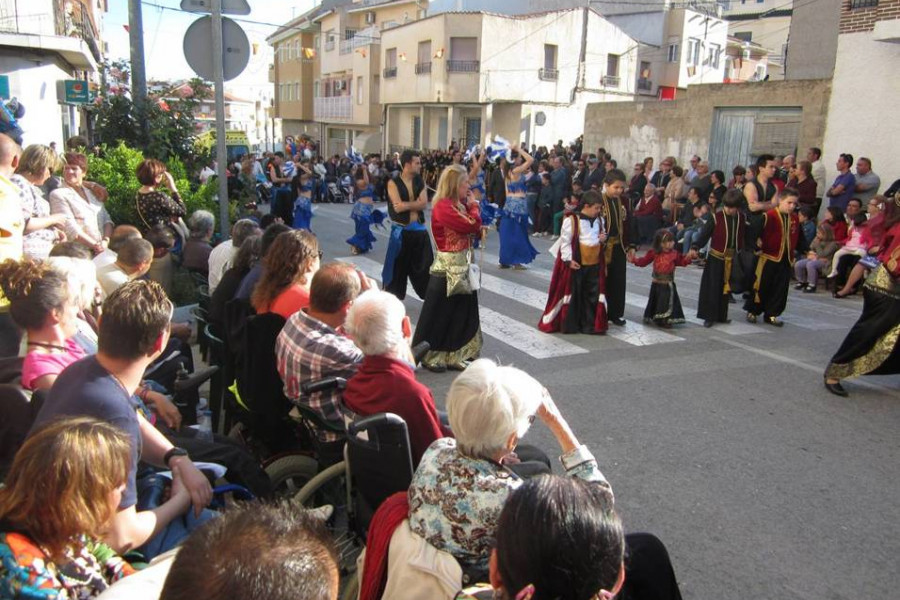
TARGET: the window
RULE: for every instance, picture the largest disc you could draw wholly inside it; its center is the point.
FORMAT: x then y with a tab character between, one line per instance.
744	36
298	54
416	131
330	39
713	55
550	52
316	89
423	62
390	63
463	55
673	53
359	90
289	91
612	65
693	52
349	34
317	39
855	4
297	91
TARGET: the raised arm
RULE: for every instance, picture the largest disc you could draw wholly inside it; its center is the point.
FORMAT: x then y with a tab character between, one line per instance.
525	165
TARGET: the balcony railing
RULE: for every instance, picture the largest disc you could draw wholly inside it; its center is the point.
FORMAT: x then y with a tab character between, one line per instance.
610	81
548	74
463	66
389	72
423	68
335	107
644	85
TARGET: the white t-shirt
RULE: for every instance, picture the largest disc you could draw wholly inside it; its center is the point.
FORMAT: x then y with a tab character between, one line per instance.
111	278
219	261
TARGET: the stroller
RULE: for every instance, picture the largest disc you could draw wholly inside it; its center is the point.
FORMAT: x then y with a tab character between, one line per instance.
340	192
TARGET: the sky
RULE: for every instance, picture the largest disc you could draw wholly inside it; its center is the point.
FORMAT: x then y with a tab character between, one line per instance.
164	30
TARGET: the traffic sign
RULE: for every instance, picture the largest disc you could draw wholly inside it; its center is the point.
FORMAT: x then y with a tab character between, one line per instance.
235	48
229	7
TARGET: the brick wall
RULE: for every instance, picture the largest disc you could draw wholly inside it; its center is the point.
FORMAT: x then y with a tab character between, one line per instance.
864	19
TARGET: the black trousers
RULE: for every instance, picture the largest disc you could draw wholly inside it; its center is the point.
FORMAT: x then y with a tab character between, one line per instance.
648	570
774	281
413	262
615	284
585	295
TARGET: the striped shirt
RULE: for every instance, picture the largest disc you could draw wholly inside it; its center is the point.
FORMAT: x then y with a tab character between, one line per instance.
307	350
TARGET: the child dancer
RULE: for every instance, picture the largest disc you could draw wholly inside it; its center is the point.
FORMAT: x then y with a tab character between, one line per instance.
576	302
364	214
302	188
854	244
663	305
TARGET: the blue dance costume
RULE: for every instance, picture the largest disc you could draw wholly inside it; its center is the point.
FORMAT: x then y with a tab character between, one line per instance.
364	215
303	208
515	245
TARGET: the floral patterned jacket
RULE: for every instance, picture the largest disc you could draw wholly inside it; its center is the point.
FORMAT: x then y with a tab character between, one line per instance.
455	500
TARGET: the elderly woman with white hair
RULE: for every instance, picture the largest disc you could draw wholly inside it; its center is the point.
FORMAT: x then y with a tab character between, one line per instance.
197	248
461	484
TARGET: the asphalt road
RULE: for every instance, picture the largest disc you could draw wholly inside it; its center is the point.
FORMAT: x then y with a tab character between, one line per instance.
723	442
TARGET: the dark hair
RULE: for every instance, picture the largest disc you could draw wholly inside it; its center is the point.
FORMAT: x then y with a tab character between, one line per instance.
817	152
762	159
614	175
149	170
847	158
677	170
857	200
836	212
334	285
289	257
266	220
808	212
567	554
135	251
859	218
269	235
662	235
134	316
734	198
248	254
256	551
738	170
720	176
72	249
407	157
612	162
33	288
788	193
76	159
591	197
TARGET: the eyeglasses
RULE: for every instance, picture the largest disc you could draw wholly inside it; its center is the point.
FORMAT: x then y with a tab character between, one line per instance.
531	419
321	254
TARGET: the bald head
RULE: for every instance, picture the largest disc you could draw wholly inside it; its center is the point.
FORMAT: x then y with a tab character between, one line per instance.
10	152
121	234
333	287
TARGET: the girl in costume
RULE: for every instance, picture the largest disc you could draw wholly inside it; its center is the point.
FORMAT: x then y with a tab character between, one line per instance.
302	188
515	246
663	305
479	192
364	214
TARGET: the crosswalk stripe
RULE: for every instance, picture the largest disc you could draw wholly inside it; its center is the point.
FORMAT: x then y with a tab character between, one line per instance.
522	337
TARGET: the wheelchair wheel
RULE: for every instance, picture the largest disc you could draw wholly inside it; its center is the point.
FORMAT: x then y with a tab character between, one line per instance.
290	474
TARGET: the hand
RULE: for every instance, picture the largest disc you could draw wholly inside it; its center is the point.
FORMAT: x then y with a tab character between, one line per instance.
170	181
100	192
167	411
603	237
630	254
574	265
364	282
195	482
181	330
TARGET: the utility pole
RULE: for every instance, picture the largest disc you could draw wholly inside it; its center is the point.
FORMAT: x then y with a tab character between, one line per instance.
138	68
221	151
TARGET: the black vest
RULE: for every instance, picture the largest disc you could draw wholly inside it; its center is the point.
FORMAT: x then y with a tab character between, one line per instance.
403	191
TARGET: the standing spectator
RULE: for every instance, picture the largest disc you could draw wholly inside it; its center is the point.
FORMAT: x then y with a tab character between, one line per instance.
154	206
221	257
844	186
819	174
802	181
42	230
717	178
867	182
784	171
593	177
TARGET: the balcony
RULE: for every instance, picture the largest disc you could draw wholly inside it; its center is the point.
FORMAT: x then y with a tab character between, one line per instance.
610	81
548	74
364	37
389	72
333	108
644	85
463	66
423	68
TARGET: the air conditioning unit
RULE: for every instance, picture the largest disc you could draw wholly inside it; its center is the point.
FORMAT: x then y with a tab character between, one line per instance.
370	18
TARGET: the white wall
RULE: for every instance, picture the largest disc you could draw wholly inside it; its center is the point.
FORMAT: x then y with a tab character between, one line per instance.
862	112
28	16
33	81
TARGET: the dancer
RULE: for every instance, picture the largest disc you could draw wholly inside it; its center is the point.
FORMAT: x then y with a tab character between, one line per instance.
617	247
779	240
871	347
515	246
449	320
663	305
364	214
301	189
409	253
479	191
725	231
576	302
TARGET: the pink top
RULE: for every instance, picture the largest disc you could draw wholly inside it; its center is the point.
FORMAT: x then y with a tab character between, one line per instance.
854	239
38	364
292	299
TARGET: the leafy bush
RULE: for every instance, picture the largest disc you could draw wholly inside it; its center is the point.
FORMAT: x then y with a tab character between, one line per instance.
115	169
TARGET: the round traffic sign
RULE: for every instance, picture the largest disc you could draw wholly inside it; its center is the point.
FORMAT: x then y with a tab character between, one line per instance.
235	48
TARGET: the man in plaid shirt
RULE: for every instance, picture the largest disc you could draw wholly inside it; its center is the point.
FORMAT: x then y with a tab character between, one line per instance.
312	346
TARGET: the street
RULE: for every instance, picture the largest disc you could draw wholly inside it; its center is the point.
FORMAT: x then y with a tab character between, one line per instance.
723	442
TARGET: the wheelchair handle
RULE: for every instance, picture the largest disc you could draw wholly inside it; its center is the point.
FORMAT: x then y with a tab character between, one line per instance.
323	385
369	422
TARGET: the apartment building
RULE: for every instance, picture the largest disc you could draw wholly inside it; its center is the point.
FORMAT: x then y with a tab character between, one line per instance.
467	76
745	61
766	23
862	109
49	51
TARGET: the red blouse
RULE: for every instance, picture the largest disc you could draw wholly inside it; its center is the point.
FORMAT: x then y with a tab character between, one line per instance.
664	263
452	224
839	229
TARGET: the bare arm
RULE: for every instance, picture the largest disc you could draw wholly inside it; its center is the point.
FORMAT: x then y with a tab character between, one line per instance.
400	206
525	165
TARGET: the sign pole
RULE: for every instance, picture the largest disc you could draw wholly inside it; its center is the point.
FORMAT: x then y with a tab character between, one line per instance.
221	151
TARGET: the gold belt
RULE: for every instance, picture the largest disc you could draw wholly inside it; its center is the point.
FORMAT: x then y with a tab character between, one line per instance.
728	257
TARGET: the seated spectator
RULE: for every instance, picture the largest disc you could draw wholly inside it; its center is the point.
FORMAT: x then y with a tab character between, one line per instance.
675	193
71	250
883	213
288	269
738	175
197	248
221	257
461	484
255	552
248	283
246	258
87	221
807	217
547	550
82	278
648	215
834	216
119	236
42	229
312	346
133	260
134	330
854	207
817	260
385	380
852	246
50	542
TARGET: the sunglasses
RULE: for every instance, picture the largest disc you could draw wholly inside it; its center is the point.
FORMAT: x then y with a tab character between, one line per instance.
321	254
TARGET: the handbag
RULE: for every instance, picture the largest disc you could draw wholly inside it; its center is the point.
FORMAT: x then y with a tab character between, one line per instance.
474	272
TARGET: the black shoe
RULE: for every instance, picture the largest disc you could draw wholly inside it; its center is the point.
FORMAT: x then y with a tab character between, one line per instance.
620	322
837	389
809	290
800	286
725	321
774	321
708	323
751	318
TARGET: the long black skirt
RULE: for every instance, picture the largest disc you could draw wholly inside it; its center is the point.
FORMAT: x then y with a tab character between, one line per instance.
712	303
871	347
451	325
664	305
